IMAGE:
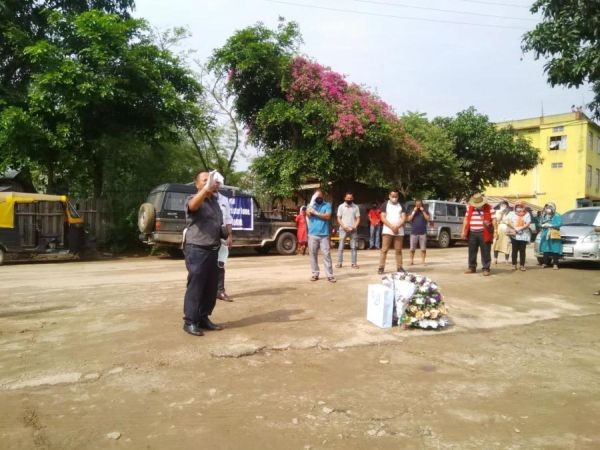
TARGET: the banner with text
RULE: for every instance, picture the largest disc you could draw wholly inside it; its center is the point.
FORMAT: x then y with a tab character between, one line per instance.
242	212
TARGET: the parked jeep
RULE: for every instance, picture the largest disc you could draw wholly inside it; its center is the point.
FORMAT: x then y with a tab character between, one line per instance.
161	220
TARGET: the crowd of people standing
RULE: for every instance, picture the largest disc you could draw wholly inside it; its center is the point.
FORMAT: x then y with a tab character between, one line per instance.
501	230
208	235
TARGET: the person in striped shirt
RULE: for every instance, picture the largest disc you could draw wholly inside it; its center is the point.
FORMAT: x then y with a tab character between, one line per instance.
479	228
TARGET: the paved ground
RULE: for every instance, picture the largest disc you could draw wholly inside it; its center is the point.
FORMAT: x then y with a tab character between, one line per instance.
90	349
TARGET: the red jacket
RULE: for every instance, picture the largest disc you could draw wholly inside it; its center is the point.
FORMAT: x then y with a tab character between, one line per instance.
488	232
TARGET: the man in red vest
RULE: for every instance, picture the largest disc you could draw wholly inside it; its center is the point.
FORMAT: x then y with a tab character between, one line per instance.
478	230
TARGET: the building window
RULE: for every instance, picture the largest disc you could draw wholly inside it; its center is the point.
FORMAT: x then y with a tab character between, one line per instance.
558	142
590	141
559	129
597	179
557	165
588	177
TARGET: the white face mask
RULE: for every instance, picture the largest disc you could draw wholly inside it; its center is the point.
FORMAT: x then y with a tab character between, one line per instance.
548	211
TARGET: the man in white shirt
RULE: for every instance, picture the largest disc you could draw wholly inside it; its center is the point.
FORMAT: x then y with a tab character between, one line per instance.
393	217
228	222
348	218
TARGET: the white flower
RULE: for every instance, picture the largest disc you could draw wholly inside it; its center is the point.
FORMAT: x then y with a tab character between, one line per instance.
434	286
419	301
423	323
433	324
443	322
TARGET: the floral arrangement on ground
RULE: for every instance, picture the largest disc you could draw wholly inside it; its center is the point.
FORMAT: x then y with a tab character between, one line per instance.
419	302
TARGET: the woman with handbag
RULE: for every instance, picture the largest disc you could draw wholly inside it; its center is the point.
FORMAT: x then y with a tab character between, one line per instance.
550	243
519	221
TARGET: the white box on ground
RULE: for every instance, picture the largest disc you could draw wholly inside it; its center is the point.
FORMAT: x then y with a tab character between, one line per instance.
380	305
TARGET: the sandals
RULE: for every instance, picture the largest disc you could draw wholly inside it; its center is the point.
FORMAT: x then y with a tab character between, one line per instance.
314	278
355	266
380	271
331	279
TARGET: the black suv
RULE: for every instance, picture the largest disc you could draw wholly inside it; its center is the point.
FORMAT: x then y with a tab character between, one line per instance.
161	221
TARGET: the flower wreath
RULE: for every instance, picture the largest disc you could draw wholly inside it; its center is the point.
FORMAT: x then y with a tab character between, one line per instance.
418	301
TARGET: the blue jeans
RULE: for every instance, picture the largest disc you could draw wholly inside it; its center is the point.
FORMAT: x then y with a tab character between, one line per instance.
353	237
375	236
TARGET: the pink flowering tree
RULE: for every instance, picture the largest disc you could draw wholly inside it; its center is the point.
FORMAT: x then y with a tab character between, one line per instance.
309	121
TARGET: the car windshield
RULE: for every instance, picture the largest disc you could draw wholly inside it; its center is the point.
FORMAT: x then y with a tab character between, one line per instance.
580	217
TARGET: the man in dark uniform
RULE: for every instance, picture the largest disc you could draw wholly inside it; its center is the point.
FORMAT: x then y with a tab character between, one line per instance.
202	240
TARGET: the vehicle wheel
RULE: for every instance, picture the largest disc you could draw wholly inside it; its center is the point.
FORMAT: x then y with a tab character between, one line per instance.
262	250
286	243
2	253
146	218
444	239
175	252
361	244
540	261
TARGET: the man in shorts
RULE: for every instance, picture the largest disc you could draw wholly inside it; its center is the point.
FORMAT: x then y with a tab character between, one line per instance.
419	217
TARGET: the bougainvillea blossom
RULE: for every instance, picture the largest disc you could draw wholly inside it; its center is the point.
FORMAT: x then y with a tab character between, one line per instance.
356	108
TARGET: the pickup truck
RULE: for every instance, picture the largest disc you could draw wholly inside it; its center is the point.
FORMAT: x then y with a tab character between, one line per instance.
161	220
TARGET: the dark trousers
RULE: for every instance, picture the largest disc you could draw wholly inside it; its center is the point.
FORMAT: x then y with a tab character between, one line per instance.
550	259
518	247
201	292
221	283
476	243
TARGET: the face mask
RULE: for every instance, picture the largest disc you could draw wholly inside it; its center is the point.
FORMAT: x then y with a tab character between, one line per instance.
503	208
319	200
348	202
548	211
519	210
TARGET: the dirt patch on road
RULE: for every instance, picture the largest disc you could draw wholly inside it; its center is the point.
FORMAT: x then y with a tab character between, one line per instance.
94	357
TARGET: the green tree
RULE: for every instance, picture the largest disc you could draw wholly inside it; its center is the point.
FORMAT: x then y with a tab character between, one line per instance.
569	37
437	171
25	22
484	153
308	121
97	82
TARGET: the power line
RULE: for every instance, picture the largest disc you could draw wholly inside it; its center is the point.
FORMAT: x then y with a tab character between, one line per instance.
392	16
401	5
480	2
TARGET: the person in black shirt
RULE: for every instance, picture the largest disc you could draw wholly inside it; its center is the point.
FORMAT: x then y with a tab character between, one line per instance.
418	232
202	240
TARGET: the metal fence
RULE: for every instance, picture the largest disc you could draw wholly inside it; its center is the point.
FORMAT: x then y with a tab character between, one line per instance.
48	219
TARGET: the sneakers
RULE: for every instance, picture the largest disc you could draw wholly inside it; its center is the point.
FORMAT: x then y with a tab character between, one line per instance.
486	273
331	279
470	271
522	269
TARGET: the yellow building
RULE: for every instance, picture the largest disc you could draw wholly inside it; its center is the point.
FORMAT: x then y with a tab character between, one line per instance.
569	174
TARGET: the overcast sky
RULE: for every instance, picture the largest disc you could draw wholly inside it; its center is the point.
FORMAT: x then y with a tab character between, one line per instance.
416	57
